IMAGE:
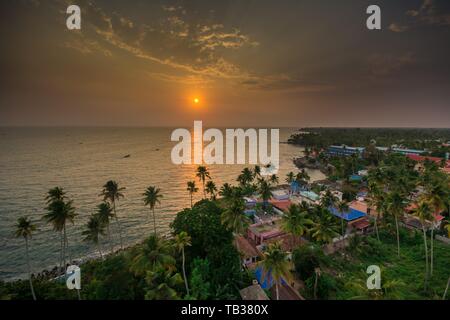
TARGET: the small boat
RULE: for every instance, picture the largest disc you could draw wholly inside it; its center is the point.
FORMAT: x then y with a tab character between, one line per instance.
127	156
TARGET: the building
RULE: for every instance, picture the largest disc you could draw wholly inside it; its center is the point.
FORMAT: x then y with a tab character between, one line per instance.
253	292
249	254
348	151
343	150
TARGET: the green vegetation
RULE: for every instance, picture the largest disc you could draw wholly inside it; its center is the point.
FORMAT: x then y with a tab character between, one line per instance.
318	138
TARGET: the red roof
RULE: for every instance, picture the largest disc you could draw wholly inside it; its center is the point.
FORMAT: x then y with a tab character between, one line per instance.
418	158
361	223
283	205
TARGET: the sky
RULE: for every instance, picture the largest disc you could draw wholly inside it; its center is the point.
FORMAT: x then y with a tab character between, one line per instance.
250	63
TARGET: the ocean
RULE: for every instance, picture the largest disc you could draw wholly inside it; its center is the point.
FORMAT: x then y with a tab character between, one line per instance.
81	160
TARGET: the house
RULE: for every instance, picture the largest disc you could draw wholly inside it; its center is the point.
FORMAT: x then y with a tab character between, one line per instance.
414	221
260	232
349	215
437	160
249	254
280	195
253	292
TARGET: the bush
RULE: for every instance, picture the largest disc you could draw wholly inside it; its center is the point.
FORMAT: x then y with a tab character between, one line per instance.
325	284
306	258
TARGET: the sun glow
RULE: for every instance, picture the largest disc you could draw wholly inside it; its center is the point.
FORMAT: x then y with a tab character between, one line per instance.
196	100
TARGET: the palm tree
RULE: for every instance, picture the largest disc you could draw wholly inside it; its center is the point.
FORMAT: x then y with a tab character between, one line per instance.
342	207
377	201
183	240
152	197
296	221
58	214
396	206
226	191
274	179
424	213
112	192
329	200
234	217
162	285
202	175
265	190
192	189
257	171
94	229
25	229
153	254
211	189
245	177
105	214
325	229
436	194
275	265
54	194
290	178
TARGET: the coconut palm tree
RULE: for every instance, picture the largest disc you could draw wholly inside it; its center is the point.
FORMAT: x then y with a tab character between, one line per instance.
424	213
105	215
203	174
94	229
396	207
54	194
162	284
329	200
234	217
25	229
265	191
192	189
59	213
112	192
246	177
342	207
324	230
152	197
296	222
436	194
274	179
183	240
153	254
257	172
290	178
275	265
211	189
226	191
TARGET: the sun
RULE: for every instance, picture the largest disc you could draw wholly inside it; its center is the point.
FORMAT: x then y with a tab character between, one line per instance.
196	100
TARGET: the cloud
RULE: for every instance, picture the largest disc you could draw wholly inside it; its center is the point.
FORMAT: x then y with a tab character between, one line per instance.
394	27
383	65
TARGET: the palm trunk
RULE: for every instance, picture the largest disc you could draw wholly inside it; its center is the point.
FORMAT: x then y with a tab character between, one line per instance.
191	199
184	273
118	224
154	221
29	270
204	192
398	236
376	229
99	250
426	255
431	254
315	287
109	238
276	290
342	227
61	251
446	289
64	248
79	295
